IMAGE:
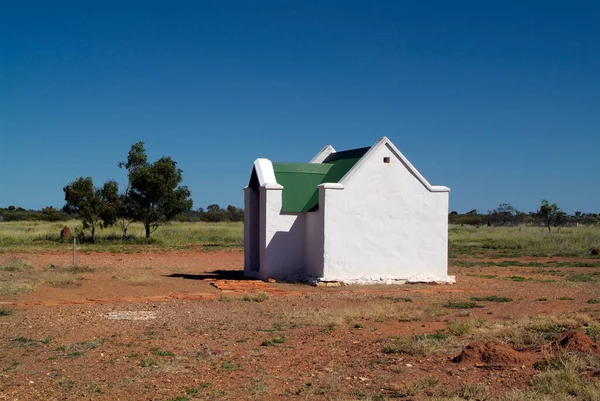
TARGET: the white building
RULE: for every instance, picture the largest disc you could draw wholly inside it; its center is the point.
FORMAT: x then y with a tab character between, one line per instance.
358	216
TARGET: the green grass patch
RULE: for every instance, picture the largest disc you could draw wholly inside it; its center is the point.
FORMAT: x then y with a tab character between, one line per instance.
14	365
520	278
159	352
24	340
481	275
491	298
148	362
271	342
6	312
462	305
229	366
584	277
419	345
396	299
593	301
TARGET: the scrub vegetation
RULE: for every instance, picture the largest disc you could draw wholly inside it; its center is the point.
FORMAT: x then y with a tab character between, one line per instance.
467	244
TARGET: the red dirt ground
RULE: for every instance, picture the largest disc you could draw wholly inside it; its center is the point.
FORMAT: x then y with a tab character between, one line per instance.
204	337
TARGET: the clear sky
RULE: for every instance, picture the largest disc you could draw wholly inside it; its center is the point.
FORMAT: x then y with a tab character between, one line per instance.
498	100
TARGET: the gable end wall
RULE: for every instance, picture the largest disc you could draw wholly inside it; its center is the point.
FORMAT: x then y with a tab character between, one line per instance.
385	224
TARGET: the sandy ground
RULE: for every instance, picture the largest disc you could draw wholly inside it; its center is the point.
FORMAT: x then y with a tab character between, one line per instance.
158	326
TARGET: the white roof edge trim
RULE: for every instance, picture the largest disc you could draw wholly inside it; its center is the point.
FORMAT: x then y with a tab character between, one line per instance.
264	172
384	141
330	185
322	155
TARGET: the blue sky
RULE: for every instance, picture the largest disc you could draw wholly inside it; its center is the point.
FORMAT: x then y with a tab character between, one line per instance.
498	100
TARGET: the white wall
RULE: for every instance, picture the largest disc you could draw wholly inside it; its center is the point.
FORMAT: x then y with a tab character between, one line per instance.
384	224
314	240
251	231
284	236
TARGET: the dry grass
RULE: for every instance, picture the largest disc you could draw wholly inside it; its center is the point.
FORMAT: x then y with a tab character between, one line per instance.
61	279
25	278
373	311
15	287
140	279
422	345
562	380
500	241
523	241
529	331
15	236
15	265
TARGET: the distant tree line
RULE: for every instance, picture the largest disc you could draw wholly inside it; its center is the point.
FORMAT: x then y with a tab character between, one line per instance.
15	213
213	214
548	215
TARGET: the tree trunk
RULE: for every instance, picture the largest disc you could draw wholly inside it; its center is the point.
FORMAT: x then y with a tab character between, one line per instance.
147	226
93	232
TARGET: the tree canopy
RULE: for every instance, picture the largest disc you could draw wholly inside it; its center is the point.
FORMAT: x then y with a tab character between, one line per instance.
550	214
96	207
154	194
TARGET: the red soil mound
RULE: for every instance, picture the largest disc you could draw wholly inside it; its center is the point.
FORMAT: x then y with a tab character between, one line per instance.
578	342
492	353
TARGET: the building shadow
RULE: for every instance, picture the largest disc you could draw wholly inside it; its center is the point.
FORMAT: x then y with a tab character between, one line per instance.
215	274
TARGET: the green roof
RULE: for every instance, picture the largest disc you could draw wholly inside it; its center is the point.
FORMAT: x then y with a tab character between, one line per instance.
300	180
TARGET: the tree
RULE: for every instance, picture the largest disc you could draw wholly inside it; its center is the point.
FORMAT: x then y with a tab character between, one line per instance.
155	195
503	214
235	213
135	159
550	214
96	207
213	214
213	208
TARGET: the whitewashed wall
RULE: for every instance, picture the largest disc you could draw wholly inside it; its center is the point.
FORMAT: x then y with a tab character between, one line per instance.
314	240
284	247
384	224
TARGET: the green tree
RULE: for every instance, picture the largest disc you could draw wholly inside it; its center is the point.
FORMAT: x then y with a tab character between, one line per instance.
213	214
550	214
135	159
96	207
235	213
155	195
503	214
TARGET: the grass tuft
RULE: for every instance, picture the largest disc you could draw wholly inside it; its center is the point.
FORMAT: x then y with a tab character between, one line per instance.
16	265
462	305
491	298
271	342
260	297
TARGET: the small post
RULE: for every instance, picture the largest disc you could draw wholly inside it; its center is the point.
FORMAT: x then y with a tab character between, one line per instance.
74	250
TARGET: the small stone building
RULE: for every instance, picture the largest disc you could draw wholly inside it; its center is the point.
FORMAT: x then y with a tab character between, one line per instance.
356	216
